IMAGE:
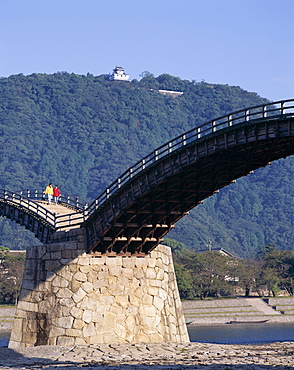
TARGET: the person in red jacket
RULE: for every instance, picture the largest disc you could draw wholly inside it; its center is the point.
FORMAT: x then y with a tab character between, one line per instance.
56	194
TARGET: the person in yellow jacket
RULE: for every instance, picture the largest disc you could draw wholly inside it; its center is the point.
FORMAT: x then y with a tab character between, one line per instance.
49	192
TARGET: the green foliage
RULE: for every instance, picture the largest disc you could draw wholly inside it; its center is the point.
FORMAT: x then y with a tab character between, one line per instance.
278	270
211	274
208	273
176	247
82	132
184	281
11	271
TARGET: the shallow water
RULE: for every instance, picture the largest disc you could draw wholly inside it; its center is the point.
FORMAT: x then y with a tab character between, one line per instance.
226	334
4	338
242	333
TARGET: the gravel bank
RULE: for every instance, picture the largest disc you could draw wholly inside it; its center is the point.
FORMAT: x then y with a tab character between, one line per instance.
154	356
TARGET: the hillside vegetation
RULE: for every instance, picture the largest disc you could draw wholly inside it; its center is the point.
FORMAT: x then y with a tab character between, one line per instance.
81	132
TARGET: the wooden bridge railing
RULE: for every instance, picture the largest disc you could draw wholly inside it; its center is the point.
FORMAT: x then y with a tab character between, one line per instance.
66	200
21	202
28	200
273	110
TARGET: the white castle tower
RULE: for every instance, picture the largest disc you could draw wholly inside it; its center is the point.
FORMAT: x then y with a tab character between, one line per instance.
119	74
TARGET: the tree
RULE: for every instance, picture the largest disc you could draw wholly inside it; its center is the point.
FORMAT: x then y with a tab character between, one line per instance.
11	271
248	272
176	247
210	272
278	270
184	281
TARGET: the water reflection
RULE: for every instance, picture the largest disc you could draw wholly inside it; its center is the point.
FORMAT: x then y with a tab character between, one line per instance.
242	333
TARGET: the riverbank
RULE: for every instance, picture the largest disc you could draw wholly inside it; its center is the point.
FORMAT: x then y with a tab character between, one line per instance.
6	318
227	310
152	356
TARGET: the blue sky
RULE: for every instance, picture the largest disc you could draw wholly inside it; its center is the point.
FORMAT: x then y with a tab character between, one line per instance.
248	43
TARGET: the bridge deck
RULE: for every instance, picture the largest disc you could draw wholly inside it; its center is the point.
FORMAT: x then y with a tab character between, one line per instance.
64	215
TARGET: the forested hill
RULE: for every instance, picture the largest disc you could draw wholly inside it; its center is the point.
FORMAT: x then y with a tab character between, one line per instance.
81	132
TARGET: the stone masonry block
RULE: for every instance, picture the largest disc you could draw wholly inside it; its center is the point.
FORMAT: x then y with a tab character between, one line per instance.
147	299
68	302
78	324
139	273
120	331
128	262
109	319
87	287
65	341
100	283
76	312
128	273
151	262
52	265
152	290
140	262
67	254
87	316
115	270
79	341
122	301
79	295
83	261
73	332
15	337
64	293
60	282
80	276
28	306
148	311
122	280
85	269
65	322
114	261
29	284
150	273
29	338
56	255
158	303
89	330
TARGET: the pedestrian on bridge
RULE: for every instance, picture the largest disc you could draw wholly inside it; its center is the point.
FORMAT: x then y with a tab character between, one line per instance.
49	192
56	194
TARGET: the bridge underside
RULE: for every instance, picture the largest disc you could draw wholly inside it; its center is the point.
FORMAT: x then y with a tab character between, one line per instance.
133	221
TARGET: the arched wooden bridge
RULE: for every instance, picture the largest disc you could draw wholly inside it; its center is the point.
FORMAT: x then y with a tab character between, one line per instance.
142	205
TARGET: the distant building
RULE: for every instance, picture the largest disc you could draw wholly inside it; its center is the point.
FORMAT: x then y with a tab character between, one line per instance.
220	250
119	74
174	94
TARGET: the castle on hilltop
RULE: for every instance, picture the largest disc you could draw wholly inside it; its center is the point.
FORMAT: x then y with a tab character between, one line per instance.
119	74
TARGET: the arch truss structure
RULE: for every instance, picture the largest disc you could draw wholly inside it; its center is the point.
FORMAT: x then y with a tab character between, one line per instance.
138	209
141	206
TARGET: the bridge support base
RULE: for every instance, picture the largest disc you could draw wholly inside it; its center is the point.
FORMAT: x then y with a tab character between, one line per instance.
69	297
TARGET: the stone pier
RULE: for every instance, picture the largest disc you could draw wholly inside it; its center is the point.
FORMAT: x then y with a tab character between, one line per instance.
69	297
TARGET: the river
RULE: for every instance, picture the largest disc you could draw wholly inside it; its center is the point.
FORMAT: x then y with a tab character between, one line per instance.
227	334
242	333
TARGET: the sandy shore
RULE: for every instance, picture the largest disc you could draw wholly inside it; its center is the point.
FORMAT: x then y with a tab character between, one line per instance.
170	356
